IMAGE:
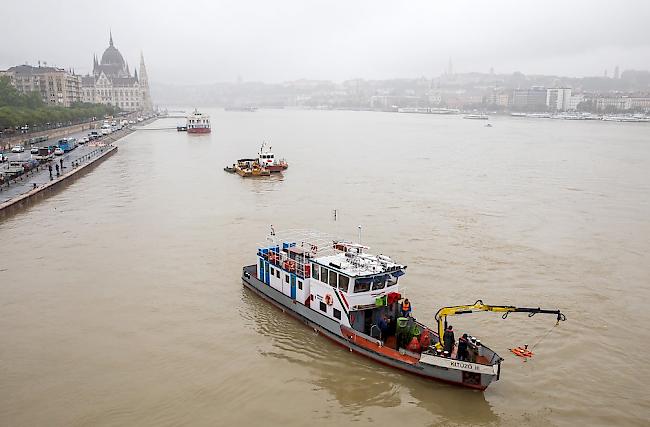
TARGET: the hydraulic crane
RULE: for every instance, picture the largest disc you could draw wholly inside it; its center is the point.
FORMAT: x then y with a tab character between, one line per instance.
441	315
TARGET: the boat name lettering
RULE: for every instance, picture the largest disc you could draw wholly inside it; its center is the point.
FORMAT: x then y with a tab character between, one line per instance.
463	365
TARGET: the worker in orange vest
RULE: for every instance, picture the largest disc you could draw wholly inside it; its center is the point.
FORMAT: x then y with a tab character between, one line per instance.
406	308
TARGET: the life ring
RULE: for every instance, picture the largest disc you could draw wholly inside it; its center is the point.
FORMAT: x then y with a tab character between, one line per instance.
314	248
521	352
329	300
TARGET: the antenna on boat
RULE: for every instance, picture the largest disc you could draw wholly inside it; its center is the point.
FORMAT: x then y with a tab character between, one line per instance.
335	214
359	227
272	230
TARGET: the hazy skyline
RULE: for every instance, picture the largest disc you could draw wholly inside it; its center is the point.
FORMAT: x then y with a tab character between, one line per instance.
217	41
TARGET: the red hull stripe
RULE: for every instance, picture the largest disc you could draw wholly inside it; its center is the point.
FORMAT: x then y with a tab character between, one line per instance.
344	300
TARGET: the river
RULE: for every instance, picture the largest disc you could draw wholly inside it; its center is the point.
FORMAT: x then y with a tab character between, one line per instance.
121	300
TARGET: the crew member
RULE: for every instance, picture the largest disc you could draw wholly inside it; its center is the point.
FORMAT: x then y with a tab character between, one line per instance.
461	353
406	308
449	339
384	326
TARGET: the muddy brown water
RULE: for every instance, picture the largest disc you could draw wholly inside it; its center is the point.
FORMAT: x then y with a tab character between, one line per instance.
121	301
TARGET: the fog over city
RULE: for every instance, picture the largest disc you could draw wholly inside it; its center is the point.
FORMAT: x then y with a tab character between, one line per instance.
221	41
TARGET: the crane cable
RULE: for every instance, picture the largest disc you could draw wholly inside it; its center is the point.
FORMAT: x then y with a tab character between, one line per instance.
523	352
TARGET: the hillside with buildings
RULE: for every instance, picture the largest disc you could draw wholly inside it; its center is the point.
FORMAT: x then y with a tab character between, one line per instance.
628	91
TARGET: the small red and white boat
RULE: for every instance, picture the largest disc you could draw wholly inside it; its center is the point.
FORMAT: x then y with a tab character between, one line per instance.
198	122
268	161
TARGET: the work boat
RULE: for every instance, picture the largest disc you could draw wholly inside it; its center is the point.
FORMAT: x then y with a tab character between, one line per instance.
268	161
342	291
198	123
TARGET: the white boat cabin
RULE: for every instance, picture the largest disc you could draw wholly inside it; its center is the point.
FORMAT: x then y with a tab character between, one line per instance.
339	279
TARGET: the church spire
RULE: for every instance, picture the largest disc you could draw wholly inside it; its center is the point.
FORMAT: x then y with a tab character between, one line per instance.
110	40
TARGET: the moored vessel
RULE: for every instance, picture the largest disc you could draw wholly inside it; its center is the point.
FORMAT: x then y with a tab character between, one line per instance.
353	298
198	123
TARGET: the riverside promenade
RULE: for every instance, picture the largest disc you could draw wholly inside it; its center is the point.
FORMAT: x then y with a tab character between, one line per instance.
37	183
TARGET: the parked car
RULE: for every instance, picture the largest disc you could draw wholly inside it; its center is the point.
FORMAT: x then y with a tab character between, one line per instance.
34	150
83	140
3	158
58	151
17	149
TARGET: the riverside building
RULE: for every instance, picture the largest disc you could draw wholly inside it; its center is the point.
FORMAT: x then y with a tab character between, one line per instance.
112	82
56	85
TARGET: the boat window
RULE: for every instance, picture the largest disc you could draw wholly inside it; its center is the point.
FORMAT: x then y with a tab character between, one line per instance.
378	284
300	284
361	286
277	273
286	278
337	314
333	279
323	307
272	271
261	266
323	274
344	281
314	271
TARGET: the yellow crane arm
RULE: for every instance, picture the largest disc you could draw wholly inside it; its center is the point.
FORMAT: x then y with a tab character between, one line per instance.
441	315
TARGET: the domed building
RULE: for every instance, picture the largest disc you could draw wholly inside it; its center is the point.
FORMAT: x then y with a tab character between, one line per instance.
112	82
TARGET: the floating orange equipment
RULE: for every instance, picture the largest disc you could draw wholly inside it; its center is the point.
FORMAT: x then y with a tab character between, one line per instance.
522	351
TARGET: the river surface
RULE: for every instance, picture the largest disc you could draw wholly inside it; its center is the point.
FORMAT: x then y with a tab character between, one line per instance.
121	300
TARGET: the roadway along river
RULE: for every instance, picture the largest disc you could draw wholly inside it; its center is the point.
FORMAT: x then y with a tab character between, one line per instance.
121	300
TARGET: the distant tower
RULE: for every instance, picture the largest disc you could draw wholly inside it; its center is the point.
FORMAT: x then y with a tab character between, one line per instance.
144	85
616	76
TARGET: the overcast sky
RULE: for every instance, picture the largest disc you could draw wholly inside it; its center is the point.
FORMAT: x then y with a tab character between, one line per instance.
276	40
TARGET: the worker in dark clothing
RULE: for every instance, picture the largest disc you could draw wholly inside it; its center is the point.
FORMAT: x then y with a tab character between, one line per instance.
449	339
384	326
462	354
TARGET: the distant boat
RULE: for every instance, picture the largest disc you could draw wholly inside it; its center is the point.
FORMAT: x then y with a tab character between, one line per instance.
267	159
198	123
476	116
248	109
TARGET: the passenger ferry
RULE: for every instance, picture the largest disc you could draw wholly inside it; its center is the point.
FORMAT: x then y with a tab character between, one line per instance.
268	161
198	123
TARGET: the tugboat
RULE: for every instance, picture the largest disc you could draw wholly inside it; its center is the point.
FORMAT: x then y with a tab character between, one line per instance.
198	123
268	160
353	298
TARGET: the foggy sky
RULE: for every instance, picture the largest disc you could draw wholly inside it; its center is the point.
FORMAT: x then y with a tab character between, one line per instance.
207	41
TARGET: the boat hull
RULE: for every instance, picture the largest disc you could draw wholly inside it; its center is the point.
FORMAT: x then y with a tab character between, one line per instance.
198	130
357	343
